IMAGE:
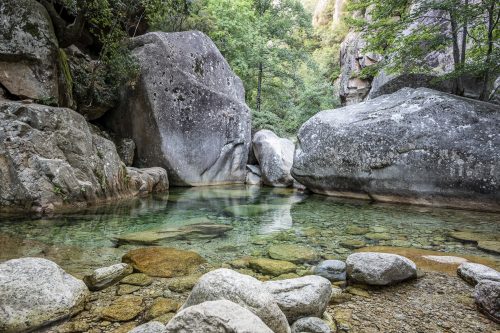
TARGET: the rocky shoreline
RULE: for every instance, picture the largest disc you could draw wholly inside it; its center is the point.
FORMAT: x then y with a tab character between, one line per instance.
159	289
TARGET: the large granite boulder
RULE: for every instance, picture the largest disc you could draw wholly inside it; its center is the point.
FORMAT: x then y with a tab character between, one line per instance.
50	159
187	112
310	325
248	292
216	316
275	157
415	146
475	273
487	297
379	269
28	50
307	296
35	292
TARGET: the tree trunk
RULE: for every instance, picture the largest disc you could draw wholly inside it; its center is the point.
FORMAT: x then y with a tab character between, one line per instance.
259	86
458	89
486	76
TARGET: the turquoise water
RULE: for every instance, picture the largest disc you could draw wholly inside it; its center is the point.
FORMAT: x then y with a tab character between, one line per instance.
258	217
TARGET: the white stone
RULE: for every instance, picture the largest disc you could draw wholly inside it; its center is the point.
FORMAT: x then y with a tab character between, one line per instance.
473	273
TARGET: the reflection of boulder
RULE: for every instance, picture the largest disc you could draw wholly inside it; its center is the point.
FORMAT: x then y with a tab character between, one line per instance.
279	217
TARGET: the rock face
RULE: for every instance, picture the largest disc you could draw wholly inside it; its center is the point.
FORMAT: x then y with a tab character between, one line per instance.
248	292
163	261
487	296
215	317
35	292
474	273
307	296
379	268
107	276
187	113
28	50
333	270
393	149
310	325
50	158
275	156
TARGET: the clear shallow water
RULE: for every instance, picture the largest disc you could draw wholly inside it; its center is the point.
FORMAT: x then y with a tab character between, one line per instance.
259	217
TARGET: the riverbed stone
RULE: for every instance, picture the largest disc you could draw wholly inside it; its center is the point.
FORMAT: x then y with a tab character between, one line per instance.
124	308
275	156
104	277
184	283
379	268
489	246
150	327
391	149
161	306
35	292
163	261
125	289
356	230
217	316
187	112
310	325
137	279
474	273
272	267
306	296
487	297
293	253
333	270
226	284
353	243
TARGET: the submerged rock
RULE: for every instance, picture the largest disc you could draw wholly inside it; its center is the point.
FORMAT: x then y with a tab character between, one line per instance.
272	267
51	159
487	296
489	246
28	51
225	284
163	261
310	325
392	149
191	231
474	273
307	296
379	268
107	276
217	316
275	156
187	113
35	292
293	253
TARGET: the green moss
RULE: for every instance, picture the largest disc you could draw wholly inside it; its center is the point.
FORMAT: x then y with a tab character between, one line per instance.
66	72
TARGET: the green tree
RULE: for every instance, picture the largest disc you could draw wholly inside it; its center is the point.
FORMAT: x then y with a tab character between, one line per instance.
406	32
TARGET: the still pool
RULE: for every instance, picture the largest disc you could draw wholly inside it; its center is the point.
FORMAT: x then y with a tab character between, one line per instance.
238	221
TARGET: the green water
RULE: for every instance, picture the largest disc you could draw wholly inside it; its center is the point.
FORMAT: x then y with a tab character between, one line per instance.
259	217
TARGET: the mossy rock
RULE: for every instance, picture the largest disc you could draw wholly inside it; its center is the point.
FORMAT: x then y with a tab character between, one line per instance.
356	230
124	308
352	244
293	253
272	267
489	246
183	284
125	289
163	261
162	306
378	236
137	279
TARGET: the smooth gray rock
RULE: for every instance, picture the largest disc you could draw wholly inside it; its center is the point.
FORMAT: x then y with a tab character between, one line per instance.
333	270
307	296
187	113
487	296
310	325
392	149
275	156
253	179
126	150
50	159
379	268
35	292
216	317
106	276
28	50
150	327
242	289
474	273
